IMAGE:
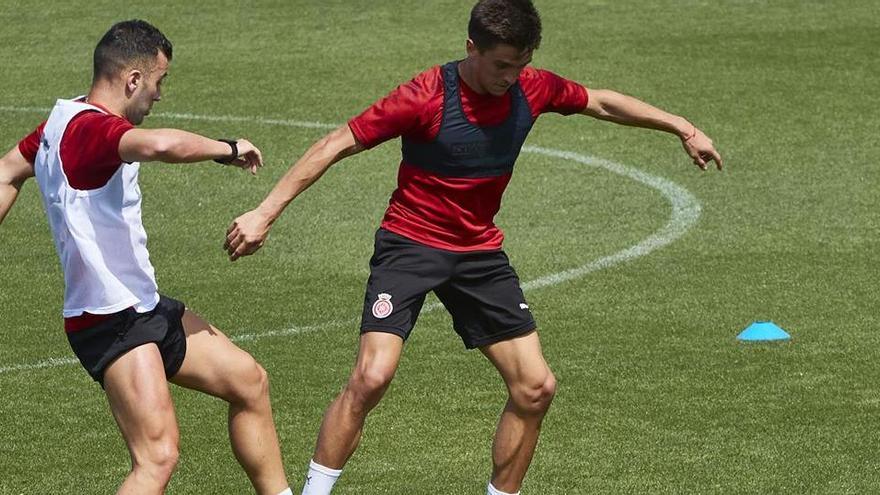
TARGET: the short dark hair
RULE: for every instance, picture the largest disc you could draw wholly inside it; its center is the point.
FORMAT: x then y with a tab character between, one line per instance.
512	22
126	43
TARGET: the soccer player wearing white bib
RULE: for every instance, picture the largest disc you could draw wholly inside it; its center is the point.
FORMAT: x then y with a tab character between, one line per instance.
129	338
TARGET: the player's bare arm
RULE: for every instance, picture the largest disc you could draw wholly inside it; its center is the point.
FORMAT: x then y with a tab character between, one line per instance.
14	170
176	146
249	231
622	109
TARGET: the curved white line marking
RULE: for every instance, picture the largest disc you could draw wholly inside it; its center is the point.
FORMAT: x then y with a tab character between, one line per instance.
685	213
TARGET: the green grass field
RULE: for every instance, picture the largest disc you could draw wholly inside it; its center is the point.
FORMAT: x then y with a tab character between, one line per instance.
655	393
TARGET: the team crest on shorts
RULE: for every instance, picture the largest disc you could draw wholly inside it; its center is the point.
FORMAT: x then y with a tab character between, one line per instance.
383	307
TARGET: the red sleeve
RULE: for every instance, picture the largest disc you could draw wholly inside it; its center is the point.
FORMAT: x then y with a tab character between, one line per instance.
90	149
548	92
409	110
31	144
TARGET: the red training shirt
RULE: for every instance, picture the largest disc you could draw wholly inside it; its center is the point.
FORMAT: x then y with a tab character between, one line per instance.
453	213
89	148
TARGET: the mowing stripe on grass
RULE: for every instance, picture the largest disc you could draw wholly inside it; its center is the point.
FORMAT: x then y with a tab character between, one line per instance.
685	213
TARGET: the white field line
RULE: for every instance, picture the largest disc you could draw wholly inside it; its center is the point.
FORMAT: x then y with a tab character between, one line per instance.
255	120
205	118
46	363
44	110
289	332
685	213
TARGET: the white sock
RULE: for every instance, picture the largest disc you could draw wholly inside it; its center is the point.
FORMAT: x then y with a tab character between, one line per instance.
491	490
320	479
286	491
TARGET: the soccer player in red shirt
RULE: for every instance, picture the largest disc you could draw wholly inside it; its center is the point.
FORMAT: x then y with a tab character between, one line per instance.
462	126
128	337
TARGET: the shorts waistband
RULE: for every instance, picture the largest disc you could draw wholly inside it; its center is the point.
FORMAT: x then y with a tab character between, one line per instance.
87	320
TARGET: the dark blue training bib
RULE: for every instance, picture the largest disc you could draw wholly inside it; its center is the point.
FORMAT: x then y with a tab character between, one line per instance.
463	149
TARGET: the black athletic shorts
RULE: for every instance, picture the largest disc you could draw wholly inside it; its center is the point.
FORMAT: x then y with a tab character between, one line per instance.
479	289
100	345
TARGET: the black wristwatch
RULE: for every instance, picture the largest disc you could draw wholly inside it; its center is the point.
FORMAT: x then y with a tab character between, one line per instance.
229	159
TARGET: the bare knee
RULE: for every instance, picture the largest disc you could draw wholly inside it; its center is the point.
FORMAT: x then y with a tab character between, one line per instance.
250	385
158	460
367	385
533	396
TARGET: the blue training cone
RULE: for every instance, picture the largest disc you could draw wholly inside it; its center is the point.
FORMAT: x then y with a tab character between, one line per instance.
763	330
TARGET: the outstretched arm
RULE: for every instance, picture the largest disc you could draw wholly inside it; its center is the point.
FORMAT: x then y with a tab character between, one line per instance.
14	170
249	231
176	146
621	109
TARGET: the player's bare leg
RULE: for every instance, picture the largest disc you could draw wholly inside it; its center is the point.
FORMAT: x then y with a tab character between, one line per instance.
378	357
141	404
216	366
531	386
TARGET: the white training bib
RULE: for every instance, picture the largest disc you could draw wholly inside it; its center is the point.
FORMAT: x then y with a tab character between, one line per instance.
98	233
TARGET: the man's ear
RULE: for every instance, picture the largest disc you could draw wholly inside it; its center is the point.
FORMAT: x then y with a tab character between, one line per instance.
133	80
471	47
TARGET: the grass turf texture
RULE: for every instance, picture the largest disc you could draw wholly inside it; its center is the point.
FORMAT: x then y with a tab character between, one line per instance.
656	396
